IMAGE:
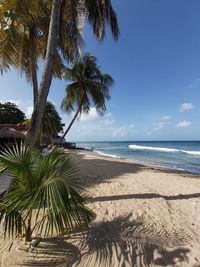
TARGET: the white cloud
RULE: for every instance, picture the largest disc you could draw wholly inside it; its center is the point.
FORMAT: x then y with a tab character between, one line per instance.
166	118
120	132
108	119
186	106
29	111
183	124
158	125
16	102
91	115
132	125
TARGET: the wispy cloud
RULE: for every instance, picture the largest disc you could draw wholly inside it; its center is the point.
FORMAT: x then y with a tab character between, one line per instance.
186	106
29	111
132	125
183	124
166	118
120	132
159	125
108	119
91	115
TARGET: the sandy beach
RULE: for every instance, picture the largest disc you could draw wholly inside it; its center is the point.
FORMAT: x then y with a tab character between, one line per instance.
144	217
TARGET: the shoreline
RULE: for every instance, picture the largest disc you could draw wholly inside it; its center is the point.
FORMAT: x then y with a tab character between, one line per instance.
135	162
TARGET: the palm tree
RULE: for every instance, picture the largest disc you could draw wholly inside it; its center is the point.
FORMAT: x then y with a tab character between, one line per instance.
24	37
51	122
89	87
99	14
42	197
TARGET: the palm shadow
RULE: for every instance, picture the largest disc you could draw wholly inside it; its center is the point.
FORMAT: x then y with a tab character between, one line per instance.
124	242
143	196
95	170
52	252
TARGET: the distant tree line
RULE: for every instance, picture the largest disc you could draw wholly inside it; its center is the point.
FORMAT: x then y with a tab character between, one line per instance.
51	122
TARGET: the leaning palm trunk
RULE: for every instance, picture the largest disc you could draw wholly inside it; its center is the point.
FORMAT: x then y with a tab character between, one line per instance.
33	64
70	125
45	84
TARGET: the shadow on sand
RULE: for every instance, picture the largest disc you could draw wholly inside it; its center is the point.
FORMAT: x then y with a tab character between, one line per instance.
143	196
124	242
119	243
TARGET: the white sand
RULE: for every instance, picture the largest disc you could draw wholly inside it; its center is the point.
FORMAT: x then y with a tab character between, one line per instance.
144	217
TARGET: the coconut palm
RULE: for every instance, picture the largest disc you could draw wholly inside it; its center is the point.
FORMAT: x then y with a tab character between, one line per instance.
89	87
19	45
99	14
51	122
23	35
42	197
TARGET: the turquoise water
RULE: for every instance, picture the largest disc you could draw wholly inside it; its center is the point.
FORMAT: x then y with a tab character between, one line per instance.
177	155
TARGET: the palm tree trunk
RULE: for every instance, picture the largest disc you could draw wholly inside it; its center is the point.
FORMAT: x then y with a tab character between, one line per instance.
45	84
70	125
28	233
33	63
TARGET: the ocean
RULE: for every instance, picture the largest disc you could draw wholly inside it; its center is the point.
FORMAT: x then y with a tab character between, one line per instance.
176	155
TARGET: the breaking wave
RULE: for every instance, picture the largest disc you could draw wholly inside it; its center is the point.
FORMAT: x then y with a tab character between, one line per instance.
106	155
164	149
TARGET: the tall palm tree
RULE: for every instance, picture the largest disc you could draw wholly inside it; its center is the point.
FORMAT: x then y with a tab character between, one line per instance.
19	45
99	14
23	35
89	87
42	198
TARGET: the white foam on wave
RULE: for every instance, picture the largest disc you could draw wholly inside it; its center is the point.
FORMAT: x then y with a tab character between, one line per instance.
106	155
164	149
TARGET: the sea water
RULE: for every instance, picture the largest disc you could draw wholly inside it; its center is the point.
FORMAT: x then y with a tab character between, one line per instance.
177	155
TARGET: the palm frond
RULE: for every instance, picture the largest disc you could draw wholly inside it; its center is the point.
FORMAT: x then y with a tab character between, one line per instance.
47	188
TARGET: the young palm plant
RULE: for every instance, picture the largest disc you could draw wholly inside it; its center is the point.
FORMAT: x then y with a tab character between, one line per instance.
44	196
89	87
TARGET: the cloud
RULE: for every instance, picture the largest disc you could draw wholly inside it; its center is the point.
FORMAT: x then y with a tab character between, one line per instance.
120	132
91	115
16	102
183	124
132	125
186	106
29	111
158	125
166	118
108	119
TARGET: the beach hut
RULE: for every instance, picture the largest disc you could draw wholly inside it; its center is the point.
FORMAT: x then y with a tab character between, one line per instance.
10	135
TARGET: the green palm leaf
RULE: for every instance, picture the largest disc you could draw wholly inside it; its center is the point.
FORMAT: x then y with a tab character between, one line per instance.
45	193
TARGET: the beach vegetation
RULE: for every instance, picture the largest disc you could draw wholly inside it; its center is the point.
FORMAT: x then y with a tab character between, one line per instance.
10	114
51	122
45	196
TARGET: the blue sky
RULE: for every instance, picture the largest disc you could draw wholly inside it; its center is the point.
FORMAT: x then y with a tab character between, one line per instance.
156	67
